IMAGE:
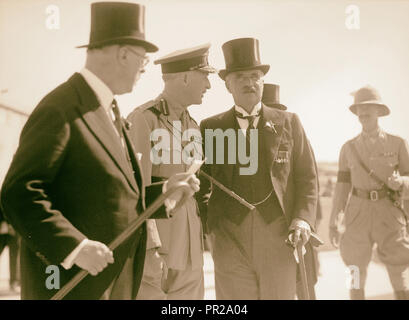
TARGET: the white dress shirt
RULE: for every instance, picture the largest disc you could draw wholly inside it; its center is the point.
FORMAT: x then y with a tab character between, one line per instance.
244	123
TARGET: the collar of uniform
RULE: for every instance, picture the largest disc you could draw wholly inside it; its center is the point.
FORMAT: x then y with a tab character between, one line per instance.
374	134
254	112
101	90
175	109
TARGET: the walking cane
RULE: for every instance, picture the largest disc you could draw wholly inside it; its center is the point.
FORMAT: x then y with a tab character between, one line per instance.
227	190
125	234
315	240
303	271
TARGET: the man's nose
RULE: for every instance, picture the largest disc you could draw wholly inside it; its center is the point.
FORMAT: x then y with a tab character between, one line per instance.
208	86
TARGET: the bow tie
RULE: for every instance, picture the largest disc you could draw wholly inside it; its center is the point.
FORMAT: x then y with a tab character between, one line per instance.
242	116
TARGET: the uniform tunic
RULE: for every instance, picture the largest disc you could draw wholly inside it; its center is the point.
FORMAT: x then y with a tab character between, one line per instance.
181	244
373	221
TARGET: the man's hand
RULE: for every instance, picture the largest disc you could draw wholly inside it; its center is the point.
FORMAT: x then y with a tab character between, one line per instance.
334	236
94	257
395	181
300	230
179	197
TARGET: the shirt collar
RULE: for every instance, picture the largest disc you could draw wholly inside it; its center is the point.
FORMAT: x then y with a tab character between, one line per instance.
374	134
101	90
254	112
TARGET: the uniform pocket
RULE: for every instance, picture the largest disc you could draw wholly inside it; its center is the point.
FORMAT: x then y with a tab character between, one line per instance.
398	215
352	210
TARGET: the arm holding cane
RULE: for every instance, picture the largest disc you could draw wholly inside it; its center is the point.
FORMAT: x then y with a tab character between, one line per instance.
94	256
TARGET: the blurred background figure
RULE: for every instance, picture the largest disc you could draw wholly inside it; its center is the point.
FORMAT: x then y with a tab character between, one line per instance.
373	171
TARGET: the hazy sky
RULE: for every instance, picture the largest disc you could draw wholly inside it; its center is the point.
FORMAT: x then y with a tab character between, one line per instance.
315	59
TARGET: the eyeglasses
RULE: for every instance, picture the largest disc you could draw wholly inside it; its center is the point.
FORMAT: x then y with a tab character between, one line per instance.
145	60
254	77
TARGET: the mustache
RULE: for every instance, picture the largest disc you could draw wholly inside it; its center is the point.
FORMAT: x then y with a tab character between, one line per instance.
249	89
364	116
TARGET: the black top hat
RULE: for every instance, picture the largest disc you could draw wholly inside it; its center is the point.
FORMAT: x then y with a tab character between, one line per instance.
242	54
369	96
118	23
271	96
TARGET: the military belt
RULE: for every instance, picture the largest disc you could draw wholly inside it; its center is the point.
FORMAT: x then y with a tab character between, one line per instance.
373	195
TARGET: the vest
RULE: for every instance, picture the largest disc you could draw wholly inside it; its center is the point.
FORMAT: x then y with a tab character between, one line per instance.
256	189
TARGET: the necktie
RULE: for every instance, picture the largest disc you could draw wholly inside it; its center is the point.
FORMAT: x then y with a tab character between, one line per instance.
251	119
119	127
127	149
117	120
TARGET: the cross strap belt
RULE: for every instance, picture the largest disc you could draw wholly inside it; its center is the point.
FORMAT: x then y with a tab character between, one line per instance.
373	195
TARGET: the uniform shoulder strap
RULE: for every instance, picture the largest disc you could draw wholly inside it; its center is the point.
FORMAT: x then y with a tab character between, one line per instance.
160	108
371	173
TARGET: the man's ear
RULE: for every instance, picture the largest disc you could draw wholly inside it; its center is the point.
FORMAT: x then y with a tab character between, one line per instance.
227	84
186	79
122	55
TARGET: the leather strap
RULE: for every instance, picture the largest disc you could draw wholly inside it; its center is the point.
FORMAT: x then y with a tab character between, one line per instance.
373	195
363	165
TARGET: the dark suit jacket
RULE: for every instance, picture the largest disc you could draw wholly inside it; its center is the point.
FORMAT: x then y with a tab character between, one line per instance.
294	182
70	179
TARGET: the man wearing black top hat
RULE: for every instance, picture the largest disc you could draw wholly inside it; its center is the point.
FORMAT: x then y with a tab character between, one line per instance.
75	183
271	96
251	258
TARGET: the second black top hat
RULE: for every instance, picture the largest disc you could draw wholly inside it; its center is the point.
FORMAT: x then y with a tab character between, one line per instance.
240	55
118	23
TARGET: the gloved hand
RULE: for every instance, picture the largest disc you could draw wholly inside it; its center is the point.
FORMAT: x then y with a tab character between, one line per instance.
395	181
300	230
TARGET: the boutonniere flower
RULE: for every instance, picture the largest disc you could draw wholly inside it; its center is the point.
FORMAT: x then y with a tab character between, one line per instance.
128	124
270	125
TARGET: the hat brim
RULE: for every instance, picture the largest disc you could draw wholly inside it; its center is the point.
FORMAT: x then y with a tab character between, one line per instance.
275	105
207	69
263	67
148	46
383	109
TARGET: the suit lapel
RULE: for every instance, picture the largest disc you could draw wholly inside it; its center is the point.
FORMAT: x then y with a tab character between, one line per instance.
228	121
97	121
273	128
138	163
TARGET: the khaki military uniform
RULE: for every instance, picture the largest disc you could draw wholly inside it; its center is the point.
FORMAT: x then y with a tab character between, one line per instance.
175	270
370	217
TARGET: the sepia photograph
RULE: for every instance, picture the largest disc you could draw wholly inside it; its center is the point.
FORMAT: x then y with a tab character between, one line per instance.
204	150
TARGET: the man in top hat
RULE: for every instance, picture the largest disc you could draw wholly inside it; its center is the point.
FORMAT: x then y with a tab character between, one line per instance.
251	258
271	96
174	266
373	167
75	183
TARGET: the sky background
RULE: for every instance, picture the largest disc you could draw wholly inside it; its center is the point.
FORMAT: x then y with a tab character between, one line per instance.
314	58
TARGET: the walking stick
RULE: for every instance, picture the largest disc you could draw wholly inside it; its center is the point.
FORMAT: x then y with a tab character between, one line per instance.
227	190
135	224
303	271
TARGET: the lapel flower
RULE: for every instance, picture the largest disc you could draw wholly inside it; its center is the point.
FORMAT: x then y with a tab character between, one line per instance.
270	125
